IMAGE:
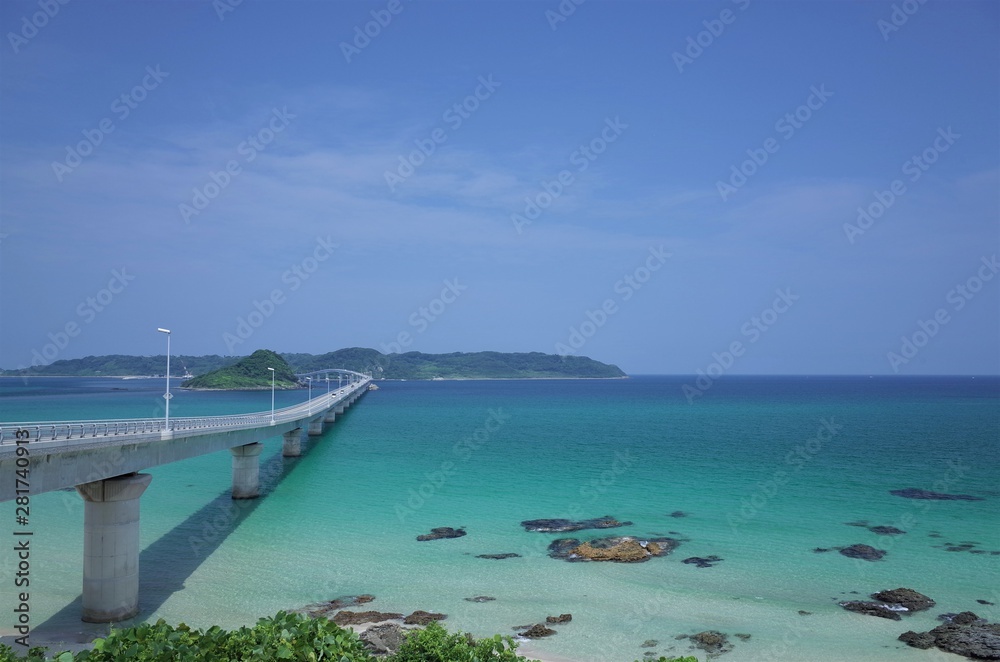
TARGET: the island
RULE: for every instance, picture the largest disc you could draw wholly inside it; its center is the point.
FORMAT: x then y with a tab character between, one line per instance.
409	365
251	373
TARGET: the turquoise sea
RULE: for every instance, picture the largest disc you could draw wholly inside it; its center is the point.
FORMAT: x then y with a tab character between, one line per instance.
764	469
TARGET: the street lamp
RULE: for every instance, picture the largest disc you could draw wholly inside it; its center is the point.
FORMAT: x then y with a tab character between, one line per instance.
167	396
272	395
328	384
310	380
340	376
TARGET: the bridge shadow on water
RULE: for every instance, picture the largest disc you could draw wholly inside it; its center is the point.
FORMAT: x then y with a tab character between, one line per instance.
165	565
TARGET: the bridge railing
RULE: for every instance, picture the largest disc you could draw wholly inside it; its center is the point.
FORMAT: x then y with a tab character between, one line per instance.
77	430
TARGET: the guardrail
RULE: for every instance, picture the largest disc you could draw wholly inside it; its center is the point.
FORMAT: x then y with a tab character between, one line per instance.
77	430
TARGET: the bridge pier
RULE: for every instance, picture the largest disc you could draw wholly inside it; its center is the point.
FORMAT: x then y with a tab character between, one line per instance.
330	416
316	426
339	409
246	470
111	547
292	444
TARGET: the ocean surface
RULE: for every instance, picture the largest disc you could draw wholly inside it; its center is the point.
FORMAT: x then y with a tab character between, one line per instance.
763	469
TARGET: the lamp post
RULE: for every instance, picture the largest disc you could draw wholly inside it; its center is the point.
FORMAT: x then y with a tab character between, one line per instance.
310	380
340	376
167	396
272	395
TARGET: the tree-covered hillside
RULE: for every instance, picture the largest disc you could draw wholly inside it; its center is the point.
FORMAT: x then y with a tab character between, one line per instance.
411	365
249	373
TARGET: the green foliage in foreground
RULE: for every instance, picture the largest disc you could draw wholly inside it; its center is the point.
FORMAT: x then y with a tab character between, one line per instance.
281	637
434	644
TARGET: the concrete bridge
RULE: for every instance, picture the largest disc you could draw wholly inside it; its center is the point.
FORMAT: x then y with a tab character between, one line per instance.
102	460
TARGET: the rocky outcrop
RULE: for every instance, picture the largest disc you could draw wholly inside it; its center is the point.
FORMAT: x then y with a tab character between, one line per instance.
498	557
865	552
871	609
916	493
891	604
421	617
566	525
620	549
537	631
905	597
384	639
442	532
358	617
481	598
326	609
561	618
966	635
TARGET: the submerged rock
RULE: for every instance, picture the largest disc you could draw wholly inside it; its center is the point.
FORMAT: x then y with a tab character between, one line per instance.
917	493
712	642
442	532
566	525
498	557
649	643
421	617
865	552
886	530
969	636
678	513
481	598
702	561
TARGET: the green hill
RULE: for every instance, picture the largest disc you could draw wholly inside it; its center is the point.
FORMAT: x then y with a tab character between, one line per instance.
458	365
249	373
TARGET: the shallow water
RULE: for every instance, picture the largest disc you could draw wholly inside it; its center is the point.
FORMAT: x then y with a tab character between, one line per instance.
766	469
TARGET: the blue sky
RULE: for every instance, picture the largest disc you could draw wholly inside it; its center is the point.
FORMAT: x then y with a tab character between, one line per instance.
664	186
